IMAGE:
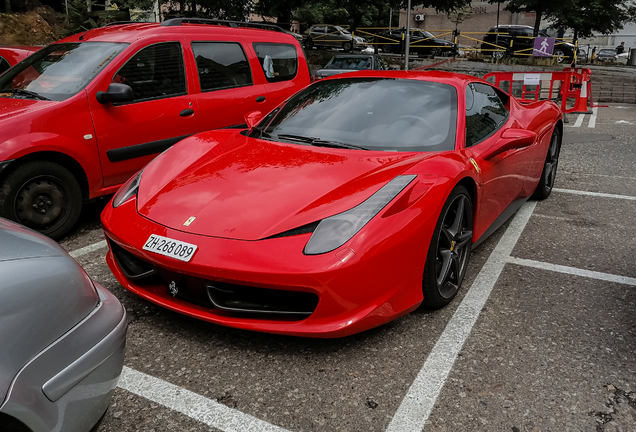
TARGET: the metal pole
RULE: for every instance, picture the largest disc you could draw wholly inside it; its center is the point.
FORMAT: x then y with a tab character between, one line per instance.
407	39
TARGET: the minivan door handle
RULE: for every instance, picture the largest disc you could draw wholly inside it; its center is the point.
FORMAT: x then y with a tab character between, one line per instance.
260	99
186	112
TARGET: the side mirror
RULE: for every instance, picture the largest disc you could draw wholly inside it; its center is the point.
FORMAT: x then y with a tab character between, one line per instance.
116	92
511	139
252	118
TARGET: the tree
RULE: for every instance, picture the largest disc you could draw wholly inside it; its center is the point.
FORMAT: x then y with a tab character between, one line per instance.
588	16
458	16
539	7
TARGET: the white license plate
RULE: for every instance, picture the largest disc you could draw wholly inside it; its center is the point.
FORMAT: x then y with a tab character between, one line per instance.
169	247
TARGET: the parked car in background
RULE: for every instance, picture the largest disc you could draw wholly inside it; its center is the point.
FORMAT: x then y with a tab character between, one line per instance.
84	114
10	56
522	39
343	63
62	337
423	43
606	55
333	37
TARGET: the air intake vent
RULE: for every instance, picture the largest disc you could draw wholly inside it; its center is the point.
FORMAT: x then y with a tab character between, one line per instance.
132	266
305	229
240	298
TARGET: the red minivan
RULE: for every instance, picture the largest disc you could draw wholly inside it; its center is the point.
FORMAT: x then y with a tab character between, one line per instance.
80	116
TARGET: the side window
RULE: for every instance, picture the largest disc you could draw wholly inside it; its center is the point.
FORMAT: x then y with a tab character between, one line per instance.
221	65
527	32
383	65
279	61
156	71
485	112
4	65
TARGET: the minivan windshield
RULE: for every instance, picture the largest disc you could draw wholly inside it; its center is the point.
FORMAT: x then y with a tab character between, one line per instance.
58	71
382	114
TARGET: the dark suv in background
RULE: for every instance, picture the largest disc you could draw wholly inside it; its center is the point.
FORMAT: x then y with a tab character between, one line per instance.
422	43
522	43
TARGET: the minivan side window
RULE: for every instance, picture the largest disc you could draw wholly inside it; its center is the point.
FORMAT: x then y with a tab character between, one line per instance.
279	61
155	72
485	112
221	65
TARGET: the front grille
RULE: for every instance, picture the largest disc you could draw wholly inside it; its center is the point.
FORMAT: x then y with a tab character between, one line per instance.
238	299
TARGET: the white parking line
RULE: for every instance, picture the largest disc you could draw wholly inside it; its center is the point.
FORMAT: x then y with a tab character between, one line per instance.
596	194
592	122
88	249
579	120
420	399
193	405
573	271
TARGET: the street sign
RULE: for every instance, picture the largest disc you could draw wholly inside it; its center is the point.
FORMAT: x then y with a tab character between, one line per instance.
543	47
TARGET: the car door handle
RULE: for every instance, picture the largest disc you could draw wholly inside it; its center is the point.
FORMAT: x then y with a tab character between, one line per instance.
186	112
260	99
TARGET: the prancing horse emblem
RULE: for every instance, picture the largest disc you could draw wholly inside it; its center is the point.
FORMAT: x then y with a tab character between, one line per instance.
173	288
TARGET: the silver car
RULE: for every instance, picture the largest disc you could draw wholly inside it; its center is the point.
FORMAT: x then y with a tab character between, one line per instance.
333	36
62	337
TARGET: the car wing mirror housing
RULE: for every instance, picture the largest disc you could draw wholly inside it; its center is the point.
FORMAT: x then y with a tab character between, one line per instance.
116	92
511	139
252	119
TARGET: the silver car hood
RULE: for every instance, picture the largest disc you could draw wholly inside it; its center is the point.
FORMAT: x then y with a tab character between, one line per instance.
43	294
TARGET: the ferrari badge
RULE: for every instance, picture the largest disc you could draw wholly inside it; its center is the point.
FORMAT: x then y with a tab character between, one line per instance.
173	288
474	164
189	221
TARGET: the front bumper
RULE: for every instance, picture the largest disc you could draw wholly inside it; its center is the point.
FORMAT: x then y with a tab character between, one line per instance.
68	386
359	286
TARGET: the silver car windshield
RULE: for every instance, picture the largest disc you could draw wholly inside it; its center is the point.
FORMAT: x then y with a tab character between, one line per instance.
58	71
371	114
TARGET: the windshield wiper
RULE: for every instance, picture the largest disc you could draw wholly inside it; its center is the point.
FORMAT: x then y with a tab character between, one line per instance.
320	142
25	93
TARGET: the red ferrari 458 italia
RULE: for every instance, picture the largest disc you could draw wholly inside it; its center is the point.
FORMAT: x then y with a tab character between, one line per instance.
349	205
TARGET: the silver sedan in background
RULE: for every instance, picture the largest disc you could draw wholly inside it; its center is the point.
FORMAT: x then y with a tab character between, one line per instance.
62	337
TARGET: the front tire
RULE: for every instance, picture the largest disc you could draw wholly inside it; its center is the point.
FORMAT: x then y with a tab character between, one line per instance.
548	175
449	251
43	196
347	46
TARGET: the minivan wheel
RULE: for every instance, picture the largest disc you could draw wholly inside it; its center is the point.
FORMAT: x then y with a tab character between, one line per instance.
43	196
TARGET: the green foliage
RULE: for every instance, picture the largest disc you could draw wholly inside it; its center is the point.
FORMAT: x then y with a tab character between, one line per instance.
587	17
459	15
79	18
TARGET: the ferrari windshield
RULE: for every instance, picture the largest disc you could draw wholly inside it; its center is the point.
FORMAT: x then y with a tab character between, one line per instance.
58	71
371	114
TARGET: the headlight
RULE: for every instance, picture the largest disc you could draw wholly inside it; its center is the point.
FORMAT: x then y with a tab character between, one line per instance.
334	231
128	190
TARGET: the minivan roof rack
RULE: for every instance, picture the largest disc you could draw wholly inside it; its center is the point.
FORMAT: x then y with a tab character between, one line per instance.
227	23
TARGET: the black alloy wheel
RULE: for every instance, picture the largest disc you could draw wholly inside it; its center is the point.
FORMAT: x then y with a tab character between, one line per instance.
449	250
548	175
347	46
43	196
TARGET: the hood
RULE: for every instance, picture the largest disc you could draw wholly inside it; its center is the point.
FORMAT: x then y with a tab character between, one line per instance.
249	189
18	242
11	107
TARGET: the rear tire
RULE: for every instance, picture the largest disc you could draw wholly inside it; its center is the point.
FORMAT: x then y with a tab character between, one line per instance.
449	251
43	196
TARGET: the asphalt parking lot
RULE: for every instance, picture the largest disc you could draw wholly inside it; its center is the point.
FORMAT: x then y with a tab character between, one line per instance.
541	337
